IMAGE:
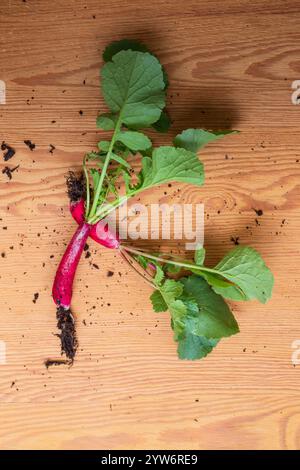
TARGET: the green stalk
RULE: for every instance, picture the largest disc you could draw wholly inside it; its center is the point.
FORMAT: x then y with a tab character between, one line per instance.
175	263
87	202
103	172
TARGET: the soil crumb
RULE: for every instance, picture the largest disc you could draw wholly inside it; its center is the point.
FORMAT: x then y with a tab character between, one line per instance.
9	171
51	148
56	362
258	212
29	144
235	240
9	151
75	186
68	337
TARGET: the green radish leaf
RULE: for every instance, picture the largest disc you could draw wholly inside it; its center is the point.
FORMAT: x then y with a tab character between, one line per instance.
194	347
178	312
104	145
133	86
125	45
134	140
95	176
106	121
171	164
158	303
171	290
172	268
215	319
120	160
159	276
244	267
199	256
194	139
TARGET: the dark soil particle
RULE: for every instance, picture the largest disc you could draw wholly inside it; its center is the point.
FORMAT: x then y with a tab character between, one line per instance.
88	254
29	144
52	148
75	186
9	171
9	151
110	273
258	212
95	266
56	362
35	297
235	240
68	337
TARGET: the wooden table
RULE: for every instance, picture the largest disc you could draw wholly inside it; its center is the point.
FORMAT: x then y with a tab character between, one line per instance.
231	64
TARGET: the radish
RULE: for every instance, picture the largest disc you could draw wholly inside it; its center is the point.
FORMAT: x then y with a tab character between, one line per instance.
100	232
62	289
134	88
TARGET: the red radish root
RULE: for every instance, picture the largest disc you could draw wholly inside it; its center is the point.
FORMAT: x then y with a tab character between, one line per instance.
62	289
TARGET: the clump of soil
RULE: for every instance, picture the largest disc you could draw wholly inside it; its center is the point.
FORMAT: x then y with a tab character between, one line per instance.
56	362
68	336
9	171
9	151
29	144
75	186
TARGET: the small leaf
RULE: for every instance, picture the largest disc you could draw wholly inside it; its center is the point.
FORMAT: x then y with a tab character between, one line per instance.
194	139
95	176
178	312
158	303
199	256
134	140
104	145
159	276
142	261
120	160
106	121
171	290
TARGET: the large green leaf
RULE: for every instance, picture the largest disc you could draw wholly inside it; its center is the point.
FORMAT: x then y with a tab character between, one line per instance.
172	164
132	85
214	319
195	139
244	267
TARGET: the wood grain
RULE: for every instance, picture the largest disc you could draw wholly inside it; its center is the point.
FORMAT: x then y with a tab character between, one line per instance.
231	65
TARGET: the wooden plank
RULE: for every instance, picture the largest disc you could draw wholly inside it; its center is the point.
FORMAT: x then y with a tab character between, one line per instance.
231	65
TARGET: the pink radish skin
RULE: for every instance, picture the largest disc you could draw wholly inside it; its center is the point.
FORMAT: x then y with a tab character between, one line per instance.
100	231
62	286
